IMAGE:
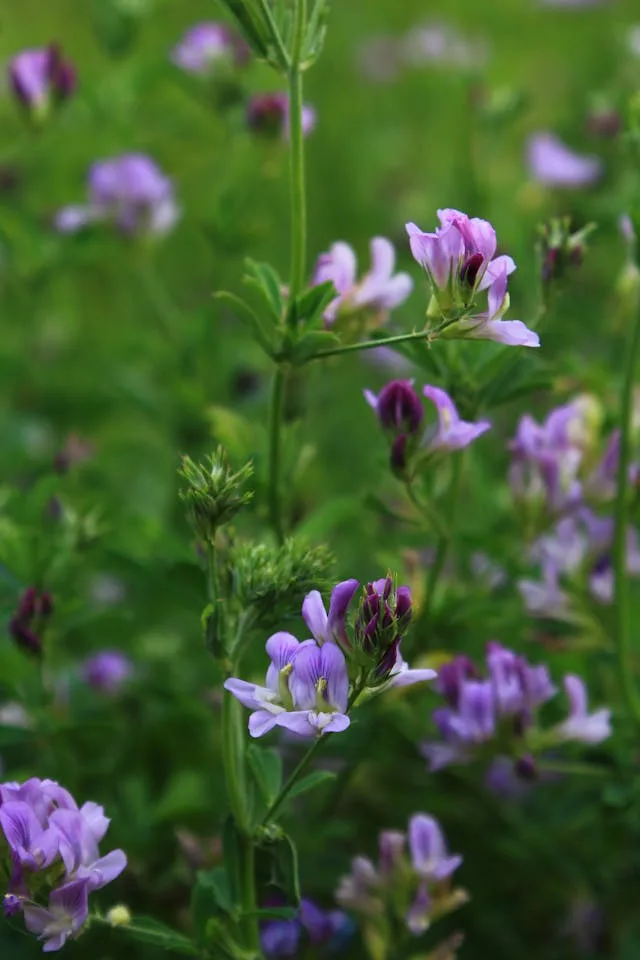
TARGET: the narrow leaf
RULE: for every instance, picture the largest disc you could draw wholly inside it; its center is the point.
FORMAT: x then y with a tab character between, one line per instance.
151	931
312	343
249	318
311	781
267	282
266	766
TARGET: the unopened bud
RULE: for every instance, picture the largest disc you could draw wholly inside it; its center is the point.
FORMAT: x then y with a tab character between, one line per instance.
399	407
213	493
119	916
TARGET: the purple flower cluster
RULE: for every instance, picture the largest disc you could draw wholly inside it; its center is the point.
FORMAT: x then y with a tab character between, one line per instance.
460	262
28	623
128	191
313	925
52	845
207	47
502	708
41	76
107	671
401	414
414	884
310	685
379	290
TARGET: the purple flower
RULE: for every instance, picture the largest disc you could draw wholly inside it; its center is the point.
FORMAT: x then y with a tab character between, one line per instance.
306	692
281	938
428	849
129	191
490	325
65	916
269	114
206	45
581	725
453	433
107	671
332	627
31	845
379	290
552	163
39	75
397	406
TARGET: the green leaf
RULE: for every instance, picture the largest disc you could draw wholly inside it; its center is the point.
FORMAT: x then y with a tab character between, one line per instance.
312	343
311	304
266	281
327	517
283	858
310	782
250	319
266	766
151	931
210	897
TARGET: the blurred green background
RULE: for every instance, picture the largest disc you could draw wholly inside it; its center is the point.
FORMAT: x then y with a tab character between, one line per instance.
127	348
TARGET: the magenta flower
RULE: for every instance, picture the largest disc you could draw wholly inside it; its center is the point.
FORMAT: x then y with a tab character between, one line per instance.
552	163
206	45
379	290
452	433
269	114
39	76
107	671
581	725
129	191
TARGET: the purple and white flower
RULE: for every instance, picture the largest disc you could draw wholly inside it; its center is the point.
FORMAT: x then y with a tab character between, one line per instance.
580	725
379	290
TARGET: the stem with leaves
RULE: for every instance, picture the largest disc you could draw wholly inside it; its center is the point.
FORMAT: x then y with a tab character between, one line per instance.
621	582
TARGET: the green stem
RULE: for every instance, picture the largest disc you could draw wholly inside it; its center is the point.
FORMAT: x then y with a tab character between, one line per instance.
621	585
276	408
248	894
427	511
573	769
297	170
371	344
443	546
293	779
170	317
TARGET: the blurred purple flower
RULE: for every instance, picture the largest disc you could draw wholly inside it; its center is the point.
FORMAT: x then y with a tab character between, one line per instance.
552	163
379	290
129	191
37	76
282	938
107	671
205	45
440	43
428	849
65	916
581	725
29	622
269	114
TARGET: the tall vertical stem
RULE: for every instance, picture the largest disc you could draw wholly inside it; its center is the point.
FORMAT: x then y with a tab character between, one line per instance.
621	584
298	214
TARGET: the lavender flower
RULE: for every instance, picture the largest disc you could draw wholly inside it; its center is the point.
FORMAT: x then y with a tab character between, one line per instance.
282	938
128	191
552	163
107	671
504	708
206	46
44	828
309	685
460	262
40	76
413	884
379	290
582	726
269	114
452	433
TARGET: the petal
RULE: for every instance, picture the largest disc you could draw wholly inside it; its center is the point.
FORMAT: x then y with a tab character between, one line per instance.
497	293
248	693
496	267
405	677
341	596
343	267
426	842
94	817
479	236
281	648
36	919
315	615
551	162
104	870
447	413
334	670
73	218
577	694
336	723
383	258
513	333
262	721
297	722
19	824
395	291
71	900
372	400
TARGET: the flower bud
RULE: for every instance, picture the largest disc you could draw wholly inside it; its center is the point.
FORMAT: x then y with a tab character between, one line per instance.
398	458
213	493
41	76
119	916
383	618
399	407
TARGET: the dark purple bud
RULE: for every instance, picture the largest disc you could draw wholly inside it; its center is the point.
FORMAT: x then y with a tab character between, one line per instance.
45	604
525	768
549	264
398	459
27	604
387	617
470	269
605	123
24	637
388	660
399	407
403	603
267	113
